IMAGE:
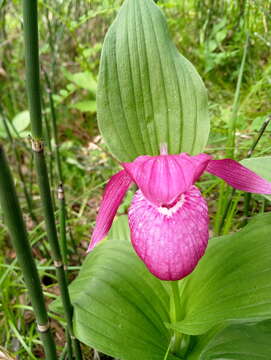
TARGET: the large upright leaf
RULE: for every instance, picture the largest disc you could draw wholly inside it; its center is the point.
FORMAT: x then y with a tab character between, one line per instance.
235	342
148	94
232	281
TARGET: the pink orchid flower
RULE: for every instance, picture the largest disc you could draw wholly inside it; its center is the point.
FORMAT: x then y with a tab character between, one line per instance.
168	217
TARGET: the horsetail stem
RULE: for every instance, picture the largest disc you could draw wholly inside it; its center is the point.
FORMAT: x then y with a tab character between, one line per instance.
30	17
16	227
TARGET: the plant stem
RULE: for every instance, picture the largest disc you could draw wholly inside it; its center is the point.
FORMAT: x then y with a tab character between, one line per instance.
175	316
61	197
62	221
54	127
249	154
34	98
260	134
247	195
235	107
15	224
176	310
30	19
49	155
225	211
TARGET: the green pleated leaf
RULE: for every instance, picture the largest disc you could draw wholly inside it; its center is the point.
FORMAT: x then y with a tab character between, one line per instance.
235	342
232	281
120	308
148	94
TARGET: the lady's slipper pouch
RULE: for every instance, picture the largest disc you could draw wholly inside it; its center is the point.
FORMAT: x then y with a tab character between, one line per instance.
168	217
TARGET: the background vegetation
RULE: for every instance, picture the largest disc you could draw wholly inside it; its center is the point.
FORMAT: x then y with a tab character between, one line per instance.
226	40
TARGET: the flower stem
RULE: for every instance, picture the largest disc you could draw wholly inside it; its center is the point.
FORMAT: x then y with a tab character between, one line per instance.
176	301
180	343
175	316
15	224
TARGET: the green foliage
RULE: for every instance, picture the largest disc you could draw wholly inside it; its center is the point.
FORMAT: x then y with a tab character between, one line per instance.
83	80
85	106
148	93
232	280
17	126
260	165
211	34
239	341
120	306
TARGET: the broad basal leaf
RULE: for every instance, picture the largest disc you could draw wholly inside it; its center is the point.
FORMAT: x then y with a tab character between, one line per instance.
235	342
232	281
148	93
119	307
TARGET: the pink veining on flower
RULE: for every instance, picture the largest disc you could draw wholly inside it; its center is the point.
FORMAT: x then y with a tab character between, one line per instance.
168	217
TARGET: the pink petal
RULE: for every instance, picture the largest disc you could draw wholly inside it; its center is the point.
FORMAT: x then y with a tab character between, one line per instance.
238	176
163	178
200	162
114	193
170	241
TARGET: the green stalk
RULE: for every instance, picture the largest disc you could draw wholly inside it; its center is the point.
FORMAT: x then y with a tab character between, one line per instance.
260	134
176	302
60	190
236	103
180	342
15	224
220	208
225	200
54	127
30	20
247	195
249	154
226	210
62	203
33	89
62	223
50	156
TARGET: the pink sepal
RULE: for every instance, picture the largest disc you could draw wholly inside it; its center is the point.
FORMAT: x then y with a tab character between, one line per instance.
113	195
238	176
163	178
